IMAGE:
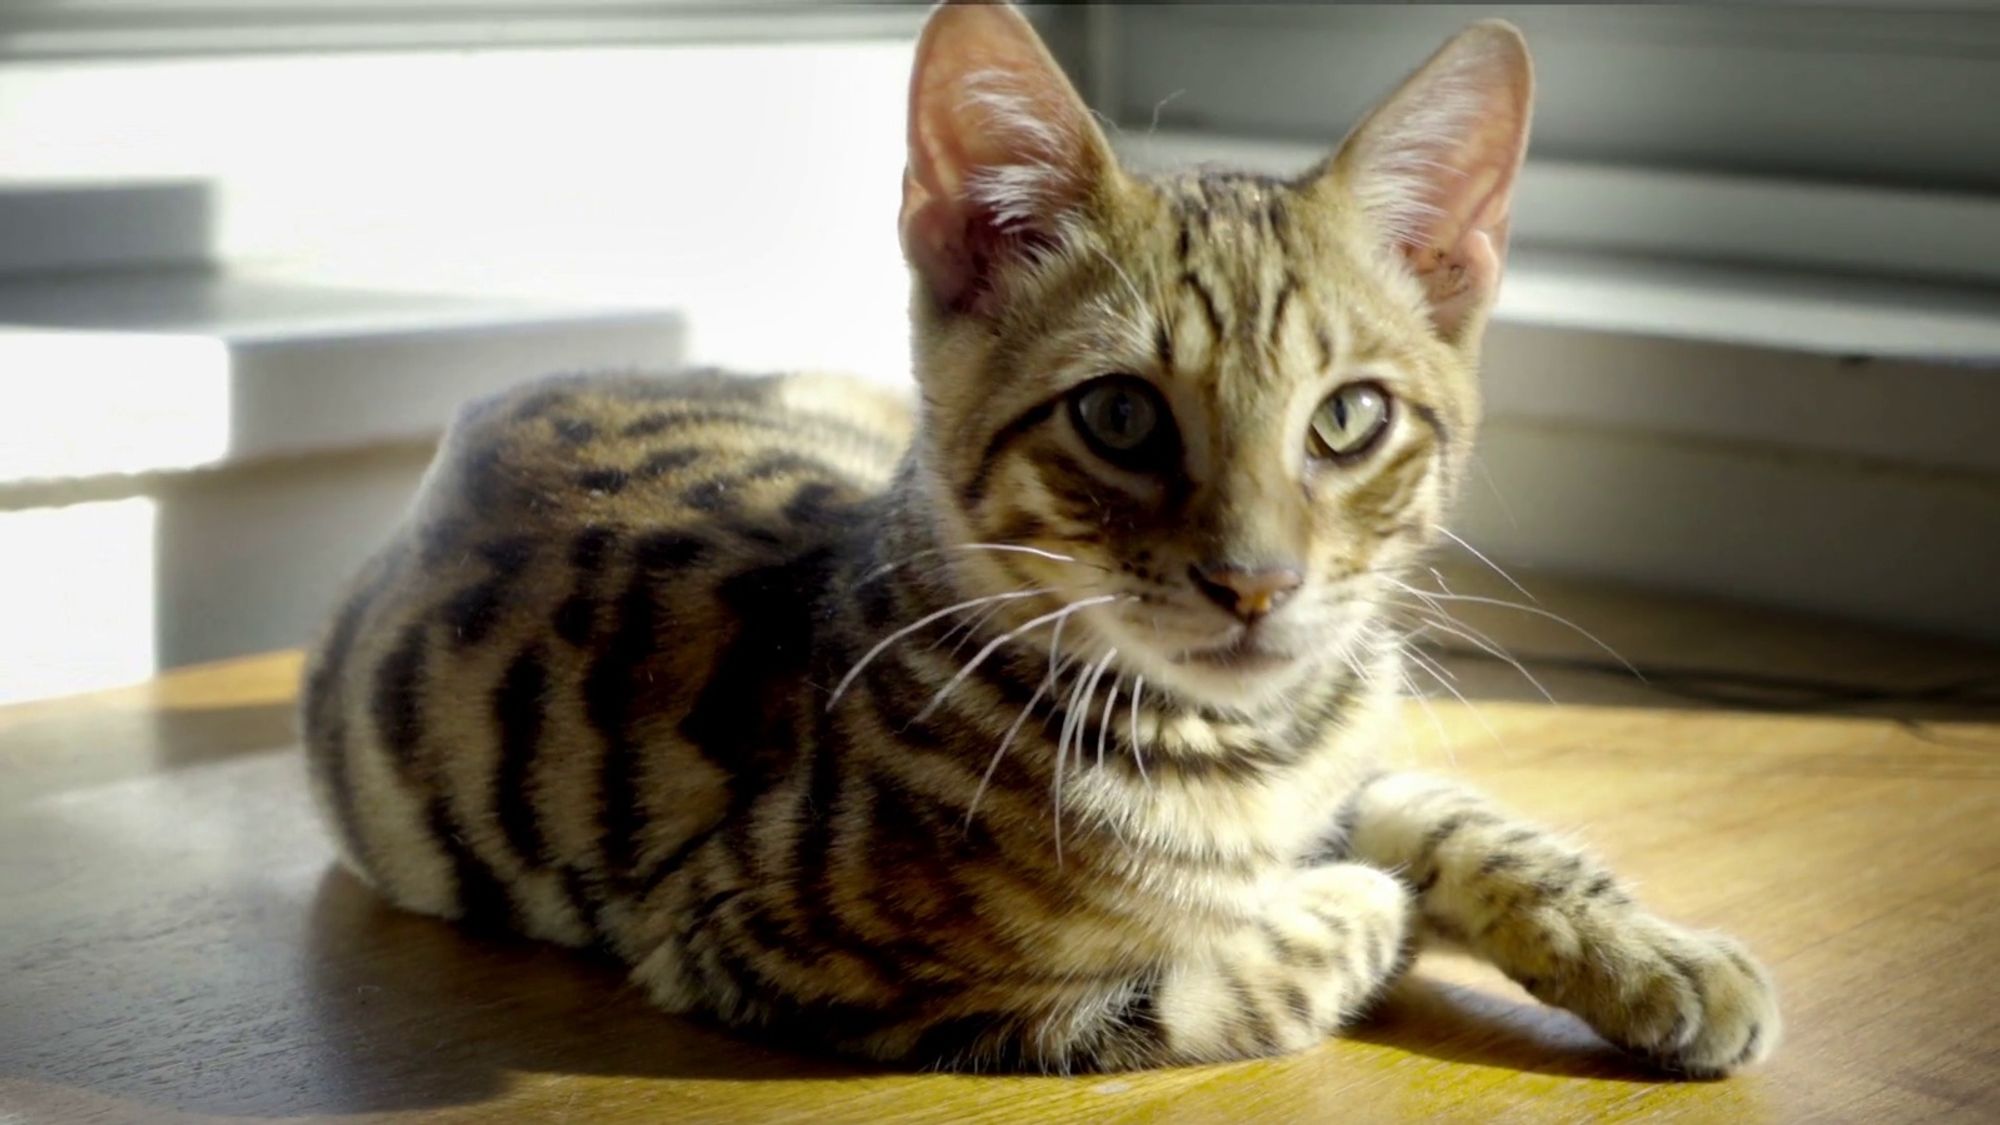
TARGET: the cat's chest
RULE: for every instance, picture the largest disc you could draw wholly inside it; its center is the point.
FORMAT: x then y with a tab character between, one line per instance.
1246	811
1244	825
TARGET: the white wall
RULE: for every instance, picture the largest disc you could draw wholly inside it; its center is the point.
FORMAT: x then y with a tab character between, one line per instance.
753	186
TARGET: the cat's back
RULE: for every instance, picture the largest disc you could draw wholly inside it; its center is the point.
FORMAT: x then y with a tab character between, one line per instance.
689	447
580	562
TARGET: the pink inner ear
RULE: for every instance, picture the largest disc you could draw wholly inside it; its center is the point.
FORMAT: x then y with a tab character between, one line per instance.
1457	279
945	234
1457	252
932	240
1436	166
999	146
956	243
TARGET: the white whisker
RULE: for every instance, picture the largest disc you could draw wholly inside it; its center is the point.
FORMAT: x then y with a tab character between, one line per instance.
1506	509
1431	663
1467	704
1154	126
1048	681
1138	685
969	628
1073	730
840	688
1484	644
1055	644
1138	301
1490	564
1538	612
1444	739
994	644
1003	547
1435	616
1104	724
1069	724
1439	575
1434	613
1062	755
1078	714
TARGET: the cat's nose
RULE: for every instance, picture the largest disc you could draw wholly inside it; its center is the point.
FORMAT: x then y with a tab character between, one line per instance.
1249	592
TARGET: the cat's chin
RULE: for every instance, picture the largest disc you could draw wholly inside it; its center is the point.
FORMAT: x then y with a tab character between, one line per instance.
1250	673
1245	655
1247	689
1244	676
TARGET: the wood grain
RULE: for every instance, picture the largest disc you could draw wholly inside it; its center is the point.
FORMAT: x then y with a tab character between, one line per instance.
175	946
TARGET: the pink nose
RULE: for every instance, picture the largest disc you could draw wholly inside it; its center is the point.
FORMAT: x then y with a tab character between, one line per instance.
1247	592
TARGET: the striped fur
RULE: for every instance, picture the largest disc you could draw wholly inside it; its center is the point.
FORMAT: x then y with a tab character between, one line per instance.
889	730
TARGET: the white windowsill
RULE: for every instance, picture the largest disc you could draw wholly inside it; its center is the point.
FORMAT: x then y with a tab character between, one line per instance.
1779	309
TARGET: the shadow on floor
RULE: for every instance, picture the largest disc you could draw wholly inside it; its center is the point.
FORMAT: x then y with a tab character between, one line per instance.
309	996
133	736
412	1012
1457	1024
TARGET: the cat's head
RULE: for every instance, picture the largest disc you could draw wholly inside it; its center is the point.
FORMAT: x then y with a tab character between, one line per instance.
1232	404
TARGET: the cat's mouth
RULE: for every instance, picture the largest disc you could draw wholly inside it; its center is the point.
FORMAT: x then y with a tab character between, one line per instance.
1247	653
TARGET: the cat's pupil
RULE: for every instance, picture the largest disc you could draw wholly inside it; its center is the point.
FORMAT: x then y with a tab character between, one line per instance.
1124	420
1119	417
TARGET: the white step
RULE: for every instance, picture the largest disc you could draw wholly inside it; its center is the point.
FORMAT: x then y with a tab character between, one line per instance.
192	368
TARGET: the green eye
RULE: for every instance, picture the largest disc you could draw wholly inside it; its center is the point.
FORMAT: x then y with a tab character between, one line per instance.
1124	420
1349	422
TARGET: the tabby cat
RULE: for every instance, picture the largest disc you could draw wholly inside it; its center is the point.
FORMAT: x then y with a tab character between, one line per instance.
1030	726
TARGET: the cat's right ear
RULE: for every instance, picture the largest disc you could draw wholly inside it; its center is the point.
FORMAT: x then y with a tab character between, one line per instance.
1002	150
1434	168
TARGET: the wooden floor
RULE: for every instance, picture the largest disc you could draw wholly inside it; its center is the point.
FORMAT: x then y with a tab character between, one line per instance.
174	945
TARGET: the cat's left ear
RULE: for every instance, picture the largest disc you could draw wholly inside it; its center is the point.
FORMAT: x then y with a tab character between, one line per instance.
1434	168
1001	150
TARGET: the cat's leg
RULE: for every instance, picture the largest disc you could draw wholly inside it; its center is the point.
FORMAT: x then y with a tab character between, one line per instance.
1555	919
1322	949
1329	939
1315	958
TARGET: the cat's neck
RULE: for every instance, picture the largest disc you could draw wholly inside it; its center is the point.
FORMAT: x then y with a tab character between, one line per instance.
1163	761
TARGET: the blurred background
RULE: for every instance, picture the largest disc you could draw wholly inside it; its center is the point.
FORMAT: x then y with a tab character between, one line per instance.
253	251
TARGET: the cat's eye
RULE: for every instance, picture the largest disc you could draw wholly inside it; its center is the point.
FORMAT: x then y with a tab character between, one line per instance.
1124	420
1349	422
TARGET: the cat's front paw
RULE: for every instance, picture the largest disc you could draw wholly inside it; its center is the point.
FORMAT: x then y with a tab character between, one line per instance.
1693	1003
